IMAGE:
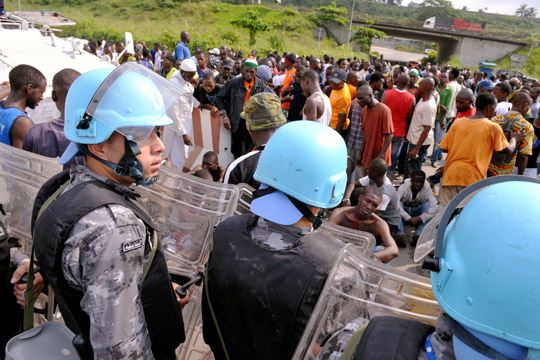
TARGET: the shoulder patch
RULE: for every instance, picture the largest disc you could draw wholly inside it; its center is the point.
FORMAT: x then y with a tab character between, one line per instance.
132	245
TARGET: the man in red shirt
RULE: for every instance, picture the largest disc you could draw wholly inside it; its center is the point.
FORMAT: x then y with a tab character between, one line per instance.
378	128
401	103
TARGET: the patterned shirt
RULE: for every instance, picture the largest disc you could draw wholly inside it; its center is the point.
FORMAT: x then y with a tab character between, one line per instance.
524	147
356	133
94	263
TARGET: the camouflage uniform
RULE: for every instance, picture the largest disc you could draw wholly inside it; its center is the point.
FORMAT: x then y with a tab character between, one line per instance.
17	258
93	262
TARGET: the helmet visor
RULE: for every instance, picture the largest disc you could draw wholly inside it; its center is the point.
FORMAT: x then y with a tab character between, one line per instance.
133	100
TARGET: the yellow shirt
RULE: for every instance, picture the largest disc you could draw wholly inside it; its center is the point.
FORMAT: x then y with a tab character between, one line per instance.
524	146
341	102
470	144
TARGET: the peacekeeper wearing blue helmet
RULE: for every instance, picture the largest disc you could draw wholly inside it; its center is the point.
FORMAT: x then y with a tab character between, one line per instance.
266	269
94	241
485	275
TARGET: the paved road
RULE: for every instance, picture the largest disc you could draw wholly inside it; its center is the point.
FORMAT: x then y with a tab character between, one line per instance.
392	54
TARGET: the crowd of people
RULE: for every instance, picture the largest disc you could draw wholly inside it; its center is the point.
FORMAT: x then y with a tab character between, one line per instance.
376	125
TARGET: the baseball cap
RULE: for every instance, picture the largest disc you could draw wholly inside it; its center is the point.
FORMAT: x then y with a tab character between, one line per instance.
488	84
263	112
413	72
338	76
227	64
214	51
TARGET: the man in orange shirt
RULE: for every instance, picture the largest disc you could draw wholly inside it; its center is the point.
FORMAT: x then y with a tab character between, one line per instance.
340	99
230	101
378	128
288	66
352	81
470	143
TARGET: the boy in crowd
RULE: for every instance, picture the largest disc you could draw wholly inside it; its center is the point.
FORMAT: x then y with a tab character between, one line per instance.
211	164
206	93
418	205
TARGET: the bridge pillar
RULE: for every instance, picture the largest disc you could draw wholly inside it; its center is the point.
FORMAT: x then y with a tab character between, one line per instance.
447	48
473	51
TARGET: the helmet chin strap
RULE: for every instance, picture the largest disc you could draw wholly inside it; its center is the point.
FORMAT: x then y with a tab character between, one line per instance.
128	165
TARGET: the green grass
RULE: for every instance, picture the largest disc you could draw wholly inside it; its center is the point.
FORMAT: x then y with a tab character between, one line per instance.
411	49
532	67
207	21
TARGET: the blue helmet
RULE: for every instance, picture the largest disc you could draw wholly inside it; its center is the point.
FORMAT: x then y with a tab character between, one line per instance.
306	162
130	99
486	271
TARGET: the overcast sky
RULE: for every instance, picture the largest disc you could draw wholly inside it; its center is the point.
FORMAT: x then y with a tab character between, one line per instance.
494	6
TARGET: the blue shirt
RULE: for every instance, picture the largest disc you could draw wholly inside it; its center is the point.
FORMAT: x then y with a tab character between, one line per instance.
201	73
7	118
181	51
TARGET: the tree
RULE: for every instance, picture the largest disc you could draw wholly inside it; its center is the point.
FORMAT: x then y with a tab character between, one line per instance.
438	8
530	13
364	35
254	23
522	10
332	13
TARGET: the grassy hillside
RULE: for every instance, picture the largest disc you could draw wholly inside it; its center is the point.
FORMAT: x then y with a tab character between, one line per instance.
207	21
532	67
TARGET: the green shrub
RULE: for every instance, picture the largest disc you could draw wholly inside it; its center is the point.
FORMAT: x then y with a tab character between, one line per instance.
230	37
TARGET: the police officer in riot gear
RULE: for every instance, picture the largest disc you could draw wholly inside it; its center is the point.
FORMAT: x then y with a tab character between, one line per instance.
266	269
95	242
484	275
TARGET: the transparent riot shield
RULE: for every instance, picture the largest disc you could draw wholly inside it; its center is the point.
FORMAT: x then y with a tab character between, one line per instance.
360	289
22	174
186	210
244	199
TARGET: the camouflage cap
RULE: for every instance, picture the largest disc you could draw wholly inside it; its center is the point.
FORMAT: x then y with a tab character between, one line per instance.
263	112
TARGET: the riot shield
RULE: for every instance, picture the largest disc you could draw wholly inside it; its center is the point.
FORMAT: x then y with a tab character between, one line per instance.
360	289
244	199
186	209
22	174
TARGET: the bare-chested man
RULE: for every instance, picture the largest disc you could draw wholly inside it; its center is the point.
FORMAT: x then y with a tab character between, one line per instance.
362	217
317	106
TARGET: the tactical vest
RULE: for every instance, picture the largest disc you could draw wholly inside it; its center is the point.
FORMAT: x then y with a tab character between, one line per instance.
262	299
389	338
162	312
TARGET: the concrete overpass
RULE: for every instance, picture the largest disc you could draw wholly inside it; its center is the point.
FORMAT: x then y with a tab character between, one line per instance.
470	48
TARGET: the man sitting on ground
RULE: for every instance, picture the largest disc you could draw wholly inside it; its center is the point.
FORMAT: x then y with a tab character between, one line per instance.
211	164
362	217
389	206
418	205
